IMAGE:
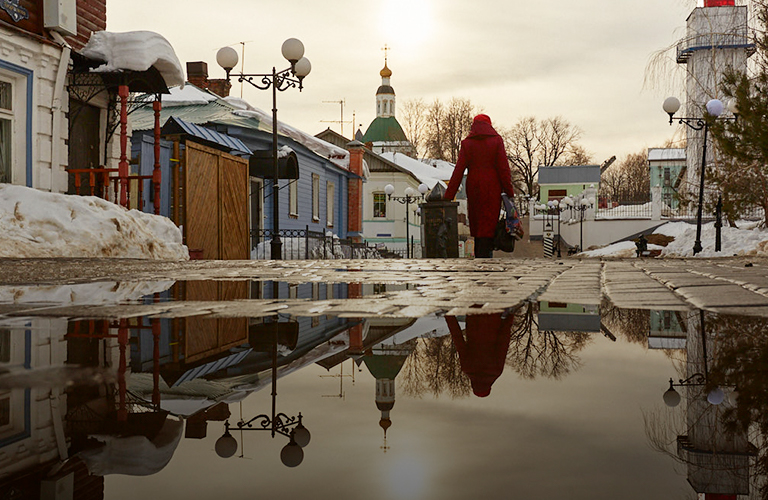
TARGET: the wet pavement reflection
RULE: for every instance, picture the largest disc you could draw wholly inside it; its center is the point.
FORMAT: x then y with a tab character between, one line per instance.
543	400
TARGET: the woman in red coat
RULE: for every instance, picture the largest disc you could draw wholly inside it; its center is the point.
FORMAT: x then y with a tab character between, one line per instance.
483	154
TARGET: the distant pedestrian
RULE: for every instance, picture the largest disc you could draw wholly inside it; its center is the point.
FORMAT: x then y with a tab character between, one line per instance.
483	155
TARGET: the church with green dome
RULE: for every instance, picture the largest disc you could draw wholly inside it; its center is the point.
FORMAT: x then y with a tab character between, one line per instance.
385	134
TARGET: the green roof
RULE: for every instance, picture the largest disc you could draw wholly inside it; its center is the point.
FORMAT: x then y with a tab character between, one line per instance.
384	366
384	130
215	111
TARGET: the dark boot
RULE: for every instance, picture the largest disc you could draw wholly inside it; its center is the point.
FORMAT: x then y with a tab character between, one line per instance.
483	248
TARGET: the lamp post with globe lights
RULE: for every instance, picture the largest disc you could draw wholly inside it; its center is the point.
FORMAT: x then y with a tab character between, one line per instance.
410	197
581	206
293	51
715	108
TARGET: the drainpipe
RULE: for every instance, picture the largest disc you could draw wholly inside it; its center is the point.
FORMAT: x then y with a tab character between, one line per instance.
56	111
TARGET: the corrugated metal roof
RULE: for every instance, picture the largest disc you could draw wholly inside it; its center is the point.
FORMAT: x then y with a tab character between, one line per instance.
176	125
218	111
577	174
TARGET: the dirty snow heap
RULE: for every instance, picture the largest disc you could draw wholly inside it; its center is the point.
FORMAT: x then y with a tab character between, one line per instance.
41	224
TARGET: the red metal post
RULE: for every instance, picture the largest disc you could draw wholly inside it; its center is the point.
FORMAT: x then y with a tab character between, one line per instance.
156	331
122	172
122	340
156	176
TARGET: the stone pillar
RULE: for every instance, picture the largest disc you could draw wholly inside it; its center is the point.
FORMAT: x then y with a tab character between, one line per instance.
656	203
441	229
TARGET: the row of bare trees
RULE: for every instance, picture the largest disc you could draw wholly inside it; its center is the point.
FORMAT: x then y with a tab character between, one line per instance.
437	129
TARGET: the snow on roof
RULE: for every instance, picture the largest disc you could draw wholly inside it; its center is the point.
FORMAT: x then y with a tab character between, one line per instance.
427	174
660	154
337	155
135	51
187	96
37	223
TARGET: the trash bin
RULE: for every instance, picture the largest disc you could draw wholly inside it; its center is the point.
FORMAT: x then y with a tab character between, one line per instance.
441	229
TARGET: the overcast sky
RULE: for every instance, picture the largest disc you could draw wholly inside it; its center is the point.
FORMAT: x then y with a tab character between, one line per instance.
583	60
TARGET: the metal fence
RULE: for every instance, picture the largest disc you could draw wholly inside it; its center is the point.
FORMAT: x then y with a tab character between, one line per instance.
623	208
303	244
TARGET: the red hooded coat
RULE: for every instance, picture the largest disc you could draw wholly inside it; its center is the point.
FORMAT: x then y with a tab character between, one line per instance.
483	154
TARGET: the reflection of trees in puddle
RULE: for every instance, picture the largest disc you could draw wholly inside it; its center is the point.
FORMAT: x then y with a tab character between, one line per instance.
631	324
717	445
436	366
536	353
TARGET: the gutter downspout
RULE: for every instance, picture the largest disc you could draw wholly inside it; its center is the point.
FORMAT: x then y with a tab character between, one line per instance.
56	104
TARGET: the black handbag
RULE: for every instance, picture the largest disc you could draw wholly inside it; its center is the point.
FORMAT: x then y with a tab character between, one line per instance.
502	239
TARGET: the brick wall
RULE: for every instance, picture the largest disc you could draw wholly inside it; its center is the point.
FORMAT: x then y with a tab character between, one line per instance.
91	16
355	210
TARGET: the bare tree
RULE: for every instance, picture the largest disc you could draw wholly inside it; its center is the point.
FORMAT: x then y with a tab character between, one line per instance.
447	125
532	143
413	115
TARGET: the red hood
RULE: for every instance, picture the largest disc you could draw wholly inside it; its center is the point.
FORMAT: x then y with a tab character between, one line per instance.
481	128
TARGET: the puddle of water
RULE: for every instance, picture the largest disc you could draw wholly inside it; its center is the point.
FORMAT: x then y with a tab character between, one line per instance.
546	400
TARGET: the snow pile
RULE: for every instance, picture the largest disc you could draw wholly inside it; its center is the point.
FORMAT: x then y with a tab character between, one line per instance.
135	51
745	240
427	174
40	224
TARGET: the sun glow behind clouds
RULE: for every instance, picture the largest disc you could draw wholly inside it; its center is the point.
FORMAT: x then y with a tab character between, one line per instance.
406	23
408	478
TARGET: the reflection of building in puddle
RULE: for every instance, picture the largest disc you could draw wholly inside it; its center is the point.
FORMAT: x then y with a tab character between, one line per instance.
717	456
668	330
59	405
384	345
718	459
562	317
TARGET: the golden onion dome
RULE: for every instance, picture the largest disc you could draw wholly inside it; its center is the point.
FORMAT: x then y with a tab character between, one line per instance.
386	72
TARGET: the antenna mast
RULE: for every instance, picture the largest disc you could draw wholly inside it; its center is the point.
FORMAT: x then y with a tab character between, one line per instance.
341	121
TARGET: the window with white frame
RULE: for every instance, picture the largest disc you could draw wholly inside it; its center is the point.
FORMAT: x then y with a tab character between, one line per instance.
293	198
315	198
6	131
330	196
379	205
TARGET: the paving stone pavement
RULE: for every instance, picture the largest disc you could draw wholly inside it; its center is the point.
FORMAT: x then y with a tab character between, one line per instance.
736	286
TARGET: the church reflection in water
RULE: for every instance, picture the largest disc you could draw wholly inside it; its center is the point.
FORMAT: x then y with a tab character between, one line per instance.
84	399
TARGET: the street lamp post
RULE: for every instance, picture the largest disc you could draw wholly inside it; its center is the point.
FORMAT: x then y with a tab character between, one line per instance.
293	51
715	108
410	197
582	206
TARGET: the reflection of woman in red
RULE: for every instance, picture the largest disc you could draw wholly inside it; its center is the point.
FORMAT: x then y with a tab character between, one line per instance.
483	353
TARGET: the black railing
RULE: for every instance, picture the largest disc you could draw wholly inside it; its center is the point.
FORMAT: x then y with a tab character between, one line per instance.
304	244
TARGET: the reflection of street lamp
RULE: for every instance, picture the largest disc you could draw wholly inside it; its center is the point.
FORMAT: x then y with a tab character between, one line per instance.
715	107
715	396
672	397
293	51
410	197
292	454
